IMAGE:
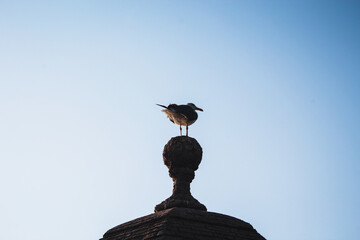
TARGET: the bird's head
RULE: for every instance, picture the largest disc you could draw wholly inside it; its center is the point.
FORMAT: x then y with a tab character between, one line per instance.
194	107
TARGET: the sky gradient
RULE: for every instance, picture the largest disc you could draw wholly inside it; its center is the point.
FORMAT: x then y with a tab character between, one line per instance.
81	138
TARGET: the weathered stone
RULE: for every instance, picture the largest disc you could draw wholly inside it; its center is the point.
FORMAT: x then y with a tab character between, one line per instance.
181	216
184	223
182	155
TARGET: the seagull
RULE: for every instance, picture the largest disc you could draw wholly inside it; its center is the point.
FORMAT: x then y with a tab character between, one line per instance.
183	115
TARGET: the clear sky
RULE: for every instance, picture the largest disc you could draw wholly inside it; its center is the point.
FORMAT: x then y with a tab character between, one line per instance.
81	138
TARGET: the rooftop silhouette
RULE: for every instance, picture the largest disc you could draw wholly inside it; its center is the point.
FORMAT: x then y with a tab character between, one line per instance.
181	216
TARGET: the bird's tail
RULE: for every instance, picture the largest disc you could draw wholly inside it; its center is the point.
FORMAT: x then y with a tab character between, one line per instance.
161	105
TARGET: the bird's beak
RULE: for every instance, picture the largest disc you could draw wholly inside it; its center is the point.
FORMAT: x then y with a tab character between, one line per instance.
199	109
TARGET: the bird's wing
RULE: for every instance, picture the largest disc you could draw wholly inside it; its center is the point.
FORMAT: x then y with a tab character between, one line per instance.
179	109
173	107
188	112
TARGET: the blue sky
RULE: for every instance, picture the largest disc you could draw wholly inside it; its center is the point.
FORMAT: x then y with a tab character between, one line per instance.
81	137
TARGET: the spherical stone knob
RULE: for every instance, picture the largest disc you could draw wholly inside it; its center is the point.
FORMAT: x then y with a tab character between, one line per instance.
182	155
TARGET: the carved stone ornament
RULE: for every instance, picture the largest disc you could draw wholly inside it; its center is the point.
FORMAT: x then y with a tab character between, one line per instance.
182	155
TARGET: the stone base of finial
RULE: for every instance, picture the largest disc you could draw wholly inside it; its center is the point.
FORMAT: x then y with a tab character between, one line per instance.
185	202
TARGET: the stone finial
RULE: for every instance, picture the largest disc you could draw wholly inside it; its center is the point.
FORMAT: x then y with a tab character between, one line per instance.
182	155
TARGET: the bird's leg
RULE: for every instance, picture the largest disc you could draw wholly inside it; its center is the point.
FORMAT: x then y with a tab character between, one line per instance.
180	131
187	127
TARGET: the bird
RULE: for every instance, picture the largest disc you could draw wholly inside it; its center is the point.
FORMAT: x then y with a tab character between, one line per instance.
183	115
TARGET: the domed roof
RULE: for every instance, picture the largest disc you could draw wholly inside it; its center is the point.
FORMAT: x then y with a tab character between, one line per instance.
184	223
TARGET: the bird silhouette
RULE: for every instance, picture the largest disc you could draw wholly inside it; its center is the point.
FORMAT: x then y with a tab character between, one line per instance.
183	115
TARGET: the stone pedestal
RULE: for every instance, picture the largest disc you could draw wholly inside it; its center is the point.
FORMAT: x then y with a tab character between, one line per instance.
182	155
